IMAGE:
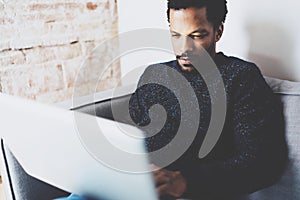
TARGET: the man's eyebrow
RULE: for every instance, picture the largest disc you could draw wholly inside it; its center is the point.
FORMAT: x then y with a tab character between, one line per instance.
200	30
174	32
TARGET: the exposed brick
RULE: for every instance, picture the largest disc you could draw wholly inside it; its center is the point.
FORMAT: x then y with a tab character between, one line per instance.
79	71
55	96
53	40
6	32
70	69
29	30
92	35
45	54
59	28
24	43
39	55
116	72
88	70
43	44
54	6
88	46
11	58
4	45
31	80
68	51
71	15
108	84
107	5
92	87
48	16
91	6
91	24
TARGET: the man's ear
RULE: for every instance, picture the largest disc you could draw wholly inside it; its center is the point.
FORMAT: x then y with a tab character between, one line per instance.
219	32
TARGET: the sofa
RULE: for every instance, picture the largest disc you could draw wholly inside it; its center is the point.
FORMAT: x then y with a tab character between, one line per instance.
20	186
288	187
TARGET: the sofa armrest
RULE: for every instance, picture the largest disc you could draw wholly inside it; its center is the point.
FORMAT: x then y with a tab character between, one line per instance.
21	186
81	101
110	104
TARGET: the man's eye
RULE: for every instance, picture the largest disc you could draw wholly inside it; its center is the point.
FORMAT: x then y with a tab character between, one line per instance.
197	36
175	35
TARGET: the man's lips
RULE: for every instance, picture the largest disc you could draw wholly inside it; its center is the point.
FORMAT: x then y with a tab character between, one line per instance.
185	61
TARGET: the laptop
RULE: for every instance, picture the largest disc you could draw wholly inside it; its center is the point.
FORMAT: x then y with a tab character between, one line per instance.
75	152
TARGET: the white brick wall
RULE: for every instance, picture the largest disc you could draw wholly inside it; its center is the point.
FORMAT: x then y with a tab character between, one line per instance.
44	43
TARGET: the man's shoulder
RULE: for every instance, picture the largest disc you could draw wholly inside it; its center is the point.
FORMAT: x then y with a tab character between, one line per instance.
160	68
230	67
169	64
232	62
233	67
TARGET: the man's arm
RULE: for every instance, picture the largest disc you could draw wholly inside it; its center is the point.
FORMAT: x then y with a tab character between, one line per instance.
258	139
259	143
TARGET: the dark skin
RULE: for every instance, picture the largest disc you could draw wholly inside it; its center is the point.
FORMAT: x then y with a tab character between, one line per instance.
168	182
191	33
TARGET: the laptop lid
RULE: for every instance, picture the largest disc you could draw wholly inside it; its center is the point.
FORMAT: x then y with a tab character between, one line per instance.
78	153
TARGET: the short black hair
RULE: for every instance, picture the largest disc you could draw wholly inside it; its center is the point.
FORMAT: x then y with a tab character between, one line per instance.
216	10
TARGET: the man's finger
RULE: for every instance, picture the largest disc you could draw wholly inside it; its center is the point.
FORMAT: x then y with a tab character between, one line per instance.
162	190
161	179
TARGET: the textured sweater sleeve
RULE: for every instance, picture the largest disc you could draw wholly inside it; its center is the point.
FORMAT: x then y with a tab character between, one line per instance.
257	123
259	143
146	96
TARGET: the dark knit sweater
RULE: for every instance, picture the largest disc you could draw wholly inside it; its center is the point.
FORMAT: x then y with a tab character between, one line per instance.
251	152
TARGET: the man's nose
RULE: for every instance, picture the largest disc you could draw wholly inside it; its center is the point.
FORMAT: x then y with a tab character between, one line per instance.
186	44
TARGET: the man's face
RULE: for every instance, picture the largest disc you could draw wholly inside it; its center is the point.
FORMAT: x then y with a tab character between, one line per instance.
191	33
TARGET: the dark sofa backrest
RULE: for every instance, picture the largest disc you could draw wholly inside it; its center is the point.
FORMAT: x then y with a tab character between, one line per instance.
108	107
21	186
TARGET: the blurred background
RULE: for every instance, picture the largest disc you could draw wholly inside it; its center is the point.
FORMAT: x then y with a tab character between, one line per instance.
44	43
264	32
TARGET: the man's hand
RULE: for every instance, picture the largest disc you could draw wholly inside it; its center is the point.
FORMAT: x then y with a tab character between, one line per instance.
169	182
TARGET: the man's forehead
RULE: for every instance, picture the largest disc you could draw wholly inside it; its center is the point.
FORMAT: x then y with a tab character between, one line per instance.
195	11
198	30
189	20
195	15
